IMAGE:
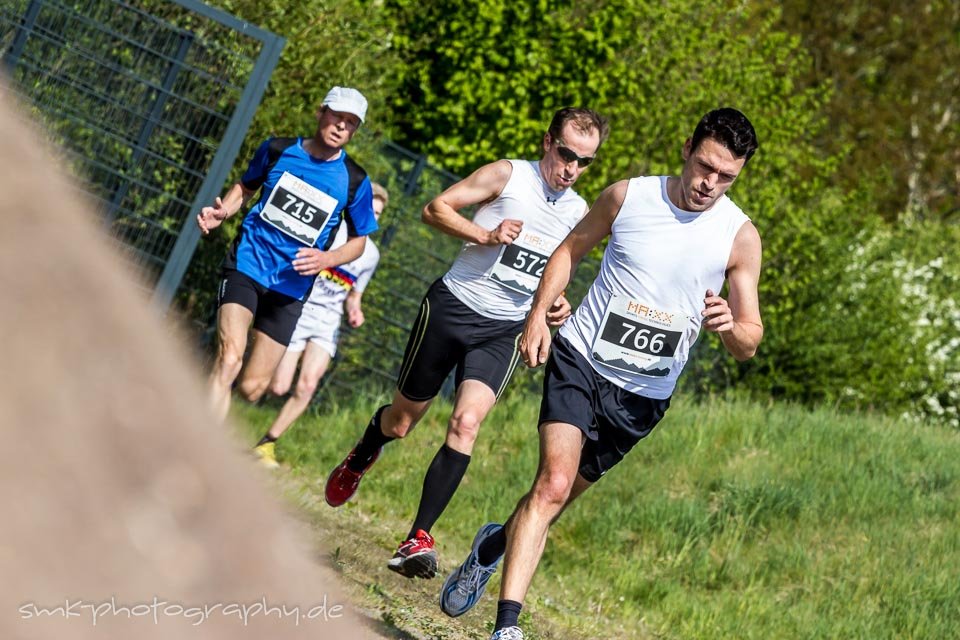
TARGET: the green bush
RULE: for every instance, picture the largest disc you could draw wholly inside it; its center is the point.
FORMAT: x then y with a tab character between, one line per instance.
900	294
877	328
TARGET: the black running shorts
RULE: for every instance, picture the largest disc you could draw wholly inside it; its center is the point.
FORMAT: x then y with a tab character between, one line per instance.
448	334
275	314
612	419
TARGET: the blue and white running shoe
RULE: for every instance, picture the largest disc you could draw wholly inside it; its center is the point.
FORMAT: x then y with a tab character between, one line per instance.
465	585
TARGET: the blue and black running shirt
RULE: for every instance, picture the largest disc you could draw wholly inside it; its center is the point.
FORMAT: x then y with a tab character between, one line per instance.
302	203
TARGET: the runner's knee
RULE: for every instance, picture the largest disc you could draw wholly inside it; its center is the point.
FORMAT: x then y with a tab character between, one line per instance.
252	389
552	488
280	387
306	388
230	361
465	424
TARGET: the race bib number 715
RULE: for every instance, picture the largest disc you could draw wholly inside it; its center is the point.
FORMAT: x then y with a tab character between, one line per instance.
298	209
637	338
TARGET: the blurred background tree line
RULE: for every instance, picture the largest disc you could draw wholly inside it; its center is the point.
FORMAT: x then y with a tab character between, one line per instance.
855	189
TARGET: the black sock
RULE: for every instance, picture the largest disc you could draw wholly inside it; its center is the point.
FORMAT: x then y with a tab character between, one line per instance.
508	612
441	482
371	442
266	438
492	547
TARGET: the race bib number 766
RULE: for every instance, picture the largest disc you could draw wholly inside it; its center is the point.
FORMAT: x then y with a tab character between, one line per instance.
637	338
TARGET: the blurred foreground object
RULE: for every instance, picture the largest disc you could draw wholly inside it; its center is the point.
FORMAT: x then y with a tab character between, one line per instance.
126	510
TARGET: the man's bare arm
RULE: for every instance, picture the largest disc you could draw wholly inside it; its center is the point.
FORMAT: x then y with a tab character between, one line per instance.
310	262
483	185
354	308
737	320
594	227
210	218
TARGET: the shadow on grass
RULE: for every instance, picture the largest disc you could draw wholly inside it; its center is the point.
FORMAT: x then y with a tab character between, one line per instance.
386	628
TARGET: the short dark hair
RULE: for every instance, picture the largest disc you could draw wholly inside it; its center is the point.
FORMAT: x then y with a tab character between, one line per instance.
730	128
583	119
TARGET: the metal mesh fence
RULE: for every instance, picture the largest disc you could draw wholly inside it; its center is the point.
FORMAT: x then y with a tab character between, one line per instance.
148	100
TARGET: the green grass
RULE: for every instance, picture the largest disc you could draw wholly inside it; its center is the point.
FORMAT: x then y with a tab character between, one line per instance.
732	520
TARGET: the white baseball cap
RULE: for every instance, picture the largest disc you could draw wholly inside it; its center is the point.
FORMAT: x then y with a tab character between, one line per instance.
347	100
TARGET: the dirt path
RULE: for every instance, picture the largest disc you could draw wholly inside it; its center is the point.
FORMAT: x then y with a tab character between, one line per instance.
357	547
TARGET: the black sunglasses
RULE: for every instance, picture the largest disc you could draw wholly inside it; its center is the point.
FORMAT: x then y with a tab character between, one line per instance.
568	156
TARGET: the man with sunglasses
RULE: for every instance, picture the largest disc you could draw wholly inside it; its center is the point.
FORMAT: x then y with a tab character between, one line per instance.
471	318
613	367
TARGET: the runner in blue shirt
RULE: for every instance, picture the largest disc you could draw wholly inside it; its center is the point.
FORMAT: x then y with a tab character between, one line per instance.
308	187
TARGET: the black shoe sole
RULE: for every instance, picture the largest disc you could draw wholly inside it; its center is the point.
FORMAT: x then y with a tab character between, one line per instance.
421	566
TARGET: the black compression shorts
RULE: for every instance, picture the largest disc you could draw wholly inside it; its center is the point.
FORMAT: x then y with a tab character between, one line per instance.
449	334
275	314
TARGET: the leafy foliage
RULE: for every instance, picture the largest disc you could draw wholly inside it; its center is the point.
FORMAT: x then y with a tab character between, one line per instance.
893	66
894	313
469	82
483	79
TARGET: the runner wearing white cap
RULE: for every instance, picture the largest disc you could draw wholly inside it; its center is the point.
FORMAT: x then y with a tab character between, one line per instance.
346	100
337	292
308	186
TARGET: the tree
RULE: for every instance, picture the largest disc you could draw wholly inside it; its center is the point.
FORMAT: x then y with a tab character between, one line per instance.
484	77
897	97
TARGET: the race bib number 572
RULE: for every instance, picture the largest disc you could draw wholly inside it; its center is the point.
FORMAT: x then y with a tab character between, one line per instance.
298	209
637	338
520	265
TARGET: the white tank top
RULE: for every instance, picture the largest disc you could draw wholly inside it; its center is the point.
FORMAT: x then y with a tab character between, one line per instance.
641	316
498	282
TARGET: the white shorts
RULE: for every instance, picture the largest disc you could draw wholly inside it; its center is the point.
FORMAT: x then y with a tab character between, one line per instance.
319	325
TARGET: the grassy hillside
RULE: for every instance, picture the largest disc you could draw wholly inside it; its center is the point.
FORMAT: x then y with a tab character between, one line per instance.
732	520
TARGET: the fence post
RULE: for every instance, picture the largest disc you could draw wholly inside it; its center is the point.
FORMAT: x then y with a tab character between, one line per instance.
219	169
12	56
413	179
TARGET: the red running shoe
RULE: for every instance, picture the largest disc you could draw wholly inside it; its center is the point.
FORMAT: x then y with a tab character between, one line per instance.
343	483
416	557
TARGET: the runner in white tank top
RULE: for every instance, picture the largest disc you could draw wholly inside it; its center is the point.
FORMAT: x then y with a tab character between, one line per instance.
471	319
498	281
648	296
613	367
